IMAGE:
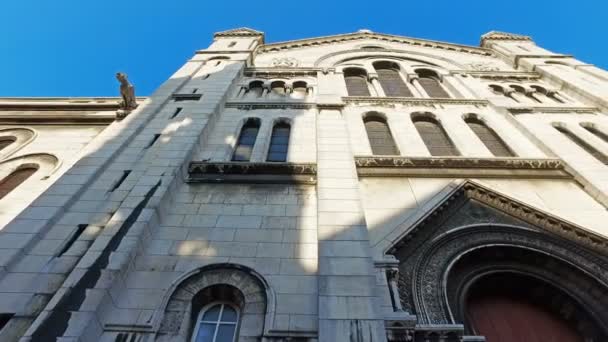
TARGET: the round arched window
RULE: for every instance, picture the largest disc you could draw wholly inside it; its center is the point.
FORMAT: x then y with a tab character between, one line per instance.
217	322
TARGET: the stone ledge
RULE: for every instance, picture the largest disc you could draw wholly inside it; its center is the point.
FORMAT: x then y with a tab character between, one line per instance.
552	110
433	167
257	173
374	100
186	97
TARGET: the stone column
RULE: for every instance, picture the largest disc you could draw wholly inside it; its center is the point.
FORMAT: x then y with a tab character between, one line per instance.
416	83
458	89
348	302
392	276
373	79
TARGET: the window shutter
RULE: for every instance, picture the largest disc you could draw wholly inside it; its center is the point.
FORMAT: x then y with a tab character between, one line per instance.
584	145
244	146
436	140
380	137
279	143
433	88
489	138
12	181
392	83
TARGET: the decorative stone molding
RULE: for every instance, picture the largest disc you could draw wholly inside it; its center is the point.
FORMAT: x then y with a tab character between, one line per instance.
501	75
186	97
497	35
476	219
483	66
387	166
281	72
239	32
553	110
245	172
321	41
285	62
284	104
411	102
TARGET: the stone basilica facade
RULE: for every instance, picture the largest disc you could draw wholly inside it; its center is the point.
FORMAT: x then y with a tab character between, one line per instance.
362	187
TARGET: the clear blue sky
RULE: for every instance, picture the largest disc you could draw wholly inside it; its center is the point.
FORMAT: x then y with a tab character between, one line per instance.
74	47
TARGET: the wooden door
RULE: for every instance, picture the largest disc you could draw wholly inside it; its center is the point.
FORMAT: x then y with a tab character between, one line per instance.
502	318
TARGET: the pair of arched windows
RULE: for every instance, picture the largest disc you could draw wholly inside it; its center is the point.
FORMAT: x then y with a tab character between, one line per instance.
392	82
433	135
299	89
589	148
279	141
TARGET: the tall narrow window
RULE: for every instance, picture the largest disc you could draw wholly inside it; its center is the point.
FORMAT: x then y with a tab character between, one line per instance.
217	323
244	146
356	82
279	142
5	141
489	138
256	88
12	181
390	79
583	144
233	43
379	136
434	136
430	82
591	129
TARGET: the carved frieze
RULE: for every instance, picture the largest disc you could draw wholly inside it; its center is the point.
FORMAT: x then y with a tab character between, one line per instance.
285	62
411	102
246	172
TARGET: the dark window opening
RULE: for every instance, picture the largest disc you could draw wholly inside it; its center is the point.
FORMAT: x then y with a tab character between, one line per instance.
584	145
279	143
73	238
596	132
244	146
4	319
12	181
356	82
434	136
6	141
380	138
122	178
489	138
430	82
177	111
153	140
390	80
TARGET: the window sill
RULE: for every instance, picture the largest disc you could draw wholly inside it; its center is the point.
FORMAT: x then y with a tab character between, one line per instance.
252	172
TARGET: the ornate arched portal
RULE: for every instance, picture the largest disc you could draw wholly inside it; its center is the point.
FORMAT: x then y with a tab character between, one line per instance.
484	264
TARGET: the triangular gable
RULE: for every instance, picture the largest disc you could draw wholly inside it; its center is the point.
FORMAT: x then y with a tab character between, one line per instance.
366	34
506	210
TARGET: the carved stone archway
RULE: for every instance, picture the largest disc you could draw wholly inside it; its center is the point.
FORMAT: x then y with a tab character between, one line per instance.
235	283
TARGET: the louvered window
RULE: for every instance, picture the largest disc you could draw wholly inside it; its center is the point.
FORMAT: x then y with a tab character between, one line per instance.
356	82
596	132
12	181
391	81
429	81
5	141
279	143
435	138
489	138
244	146
584	145
380	137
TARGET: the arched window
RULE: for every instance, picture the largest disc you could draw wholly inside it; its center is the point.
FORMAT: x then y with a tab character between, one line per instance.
278	87
488	137
390	79
244	146
5	141
300	89
583	144
279	142
434	136
430	82
256	88
12	181
379	136
356	82
217	322
593	130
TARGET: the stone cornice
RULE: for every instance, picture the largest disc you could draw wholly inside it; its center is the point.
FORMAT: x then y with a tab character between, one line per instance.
328	40
412	102
497	35
62	103
552	110
239	32
395	166
500	75
554	56
286	104
251	172
280	72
